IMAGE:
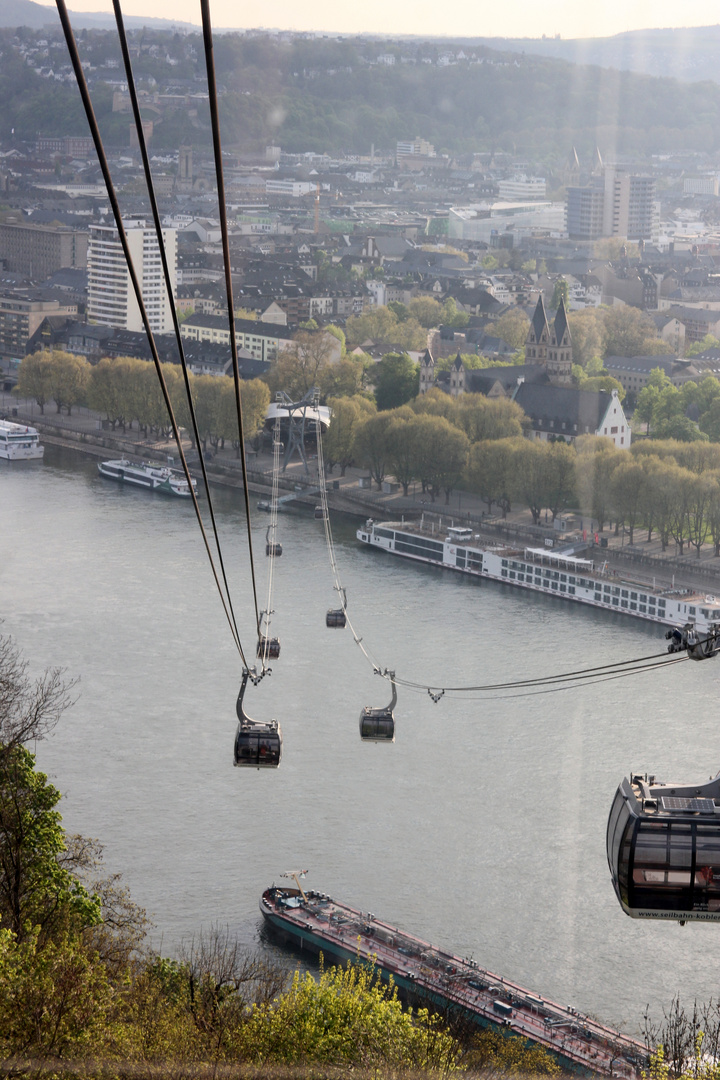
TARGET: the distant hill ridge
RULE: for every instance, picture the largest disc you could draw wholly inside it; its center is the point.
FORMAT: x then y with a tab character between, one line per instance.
36	16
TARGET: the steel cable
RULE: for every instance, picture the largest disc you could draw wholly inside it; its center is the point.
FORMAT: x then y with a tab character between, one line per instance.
217	152
112	197
168	285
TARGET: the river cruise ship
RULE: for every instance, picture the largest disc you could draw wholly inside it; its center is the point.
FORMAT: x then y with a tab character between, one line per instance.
147	475
18	442
555	572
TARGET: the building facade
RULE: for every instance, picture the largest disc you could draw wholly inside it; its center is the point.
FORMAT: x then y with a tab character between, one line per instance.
38	251
111	298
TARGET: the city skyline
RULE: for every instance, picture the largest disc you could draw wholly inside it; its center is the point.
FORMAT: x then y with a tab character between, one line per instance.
424	18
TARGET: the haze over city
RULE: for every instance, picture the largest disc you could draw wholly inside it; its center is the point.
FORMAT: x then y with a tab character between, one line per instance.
460	18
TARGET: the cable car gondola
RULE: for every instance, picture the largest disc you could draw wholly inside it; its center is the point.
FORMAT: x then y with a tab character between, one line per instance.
336	618
268	648
272	547
258	745
663	849
378	725
319	513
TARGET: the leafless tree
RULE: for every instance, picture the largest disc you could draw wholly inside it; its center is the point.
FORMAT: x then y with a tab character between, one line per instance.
29	709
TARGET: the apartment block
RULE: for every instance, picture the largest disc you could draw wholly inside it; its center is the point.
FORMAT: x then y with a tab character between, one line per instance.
111	298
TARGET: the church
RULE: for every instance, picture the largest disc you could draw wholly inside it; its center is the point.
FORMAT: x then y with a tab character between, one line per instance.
542	386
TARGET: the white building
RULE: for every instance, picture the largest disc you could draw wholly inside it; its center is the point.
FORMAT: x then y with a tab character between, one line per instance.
111	297
294	188
521	187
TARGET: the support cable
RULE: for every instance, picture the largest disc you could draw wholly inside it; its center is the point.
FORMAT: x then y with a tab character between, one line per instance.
322	483
112	197
527	687
168	286
265	637
217	152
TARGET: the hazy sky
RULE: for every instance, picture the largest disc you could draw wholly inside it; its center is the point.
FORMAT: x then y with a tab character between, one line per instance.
509	18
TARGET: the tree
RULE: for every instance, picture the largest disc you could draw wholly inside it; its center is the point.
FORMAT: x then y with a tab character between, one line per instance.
29	709
402	448
343	379
397	380
560	294
588	335
300	367
630	332
531	476
452	316
36	890
649	396
597	459
69	376
339	442
490	473
348	1018
484	418
560	478
626	488
34	378
512	327
370	445
425	310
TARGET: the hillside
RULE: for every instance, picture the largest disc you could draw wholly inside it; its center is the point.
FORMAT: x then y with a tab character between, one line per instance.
333	95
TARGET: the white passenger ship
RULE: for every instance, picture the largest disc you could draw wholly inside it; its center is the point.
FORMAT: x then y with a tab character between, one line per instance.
18	442
147	475
545	570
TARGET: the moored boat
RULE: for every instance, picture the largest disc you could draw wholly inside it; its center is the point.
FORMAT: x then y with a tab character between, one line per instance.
314	922
559	573
18	442
153	477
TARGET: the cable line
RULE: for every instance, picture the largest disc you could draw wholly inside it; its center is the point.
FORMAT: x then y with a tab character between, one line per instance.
527	687
217	151
112	197
168	286
268	646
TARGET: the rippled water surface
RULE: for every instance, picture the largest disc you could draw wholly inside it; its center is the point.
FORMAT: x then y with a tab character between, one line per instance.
481	829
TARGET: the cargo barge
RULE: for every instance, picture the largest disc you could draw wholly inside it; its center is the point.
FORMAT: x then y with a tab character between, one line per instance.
558	573
313	922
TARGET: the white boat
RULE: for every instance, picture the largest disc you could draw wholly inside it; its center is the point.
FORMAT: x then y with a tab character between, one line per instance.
556	573
18	442
148	475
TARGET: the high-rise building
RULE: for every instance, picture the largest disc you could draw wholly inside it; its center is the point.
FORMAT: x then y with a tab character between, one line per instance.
111	298
618	203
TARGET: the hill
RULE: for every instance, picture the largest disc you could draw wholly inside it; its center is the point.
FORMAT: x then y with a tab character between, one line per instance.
334	95
15	13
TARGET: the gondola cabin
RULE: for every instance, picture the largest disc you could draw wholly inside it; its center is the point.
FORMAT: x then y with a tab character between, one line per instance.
336	619
272	548
378	724
663	849
258	744
268	648
319	513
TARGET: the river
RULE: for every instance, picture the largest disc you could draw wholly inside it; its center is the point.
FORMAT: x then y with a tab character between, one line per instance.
482	829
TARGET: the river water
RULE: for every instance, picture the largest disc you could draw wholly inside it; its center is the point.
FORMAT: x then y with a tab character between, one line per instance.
482	829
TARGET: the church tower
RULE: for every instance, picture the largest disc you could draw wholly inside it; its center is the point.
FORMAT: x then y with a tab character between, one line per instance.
457	377
538	336
559	350
427	372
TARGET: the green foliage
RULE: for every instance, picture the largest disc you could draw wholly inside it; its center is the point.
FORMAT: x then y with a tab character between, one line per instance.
512	327
508	1055
348	1018
560	293
397	380
38	895
381	324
